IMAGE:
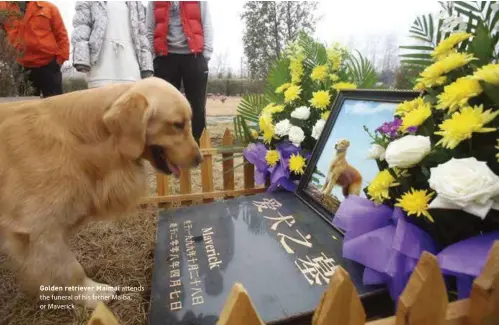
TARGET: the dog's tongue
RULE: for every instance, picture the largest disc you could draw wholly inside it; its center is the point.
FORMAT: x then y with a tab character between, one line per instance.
174	169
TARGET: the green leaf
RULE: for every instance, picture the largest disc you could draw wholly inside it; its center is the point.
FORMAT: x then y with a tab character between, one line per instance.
417	56
482	46
423	63
491	92
418	47
466	5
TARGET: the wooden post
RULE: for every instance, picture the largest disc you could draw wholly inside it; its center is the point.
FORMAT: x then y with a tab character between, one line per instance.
207	165
228	163
424	300
185	183
340	304
238	309
249	175
484	298
102	316
161	184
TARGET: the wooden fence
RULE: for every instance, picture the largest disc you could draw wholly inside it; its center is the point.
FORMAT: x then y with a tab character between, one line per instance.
208	194
423	302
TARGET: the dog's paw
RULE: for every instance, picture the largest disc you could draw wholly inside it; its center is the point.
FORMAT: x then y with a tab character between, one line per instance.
93	293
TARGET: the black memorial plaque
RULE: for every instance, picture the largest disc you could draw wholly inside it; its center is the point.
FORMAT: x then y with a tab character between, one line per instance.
275	245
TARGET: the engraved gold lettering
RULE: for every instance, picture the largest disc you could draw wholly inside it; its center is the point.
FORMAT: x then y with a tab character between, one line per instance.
174	273
272	204
317	270
192	267
198	300
176	292
196	282
175	265
212	255
175	283
303	242
197	292
177	305
173	225
290	220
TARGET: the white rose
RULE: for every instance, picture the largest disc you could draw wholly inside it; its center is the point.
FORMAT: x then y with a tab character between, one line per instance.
301	113
465	184
296	135
376	152
408	151
282	128
317	129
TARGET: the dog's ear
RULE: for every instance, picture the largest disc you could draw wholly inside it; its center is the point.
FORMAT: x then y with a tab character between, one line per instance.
126	119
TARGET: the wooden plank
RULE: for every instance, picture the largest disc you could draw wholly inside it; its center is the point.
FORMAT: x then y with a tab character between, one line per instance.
249	175
238	309
161	180
457	314
206	166
185	183
424	300
484	298
228	163
340	304
102	316
200	196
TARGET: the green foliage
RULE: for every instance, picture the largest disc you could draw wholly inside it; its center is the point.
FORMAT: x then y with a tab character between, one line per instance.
354	68
478	18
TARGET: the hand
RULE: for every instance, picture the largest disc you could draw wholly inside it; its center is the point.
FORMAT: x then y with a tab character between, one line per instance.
82	68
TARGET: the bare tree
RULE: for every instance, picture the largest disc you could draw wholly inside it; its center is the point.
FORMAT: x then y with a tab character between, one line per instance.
219	64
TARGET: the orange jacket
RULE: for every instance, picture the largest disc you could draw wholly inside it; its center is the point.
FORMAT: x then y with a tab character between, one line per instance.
39	36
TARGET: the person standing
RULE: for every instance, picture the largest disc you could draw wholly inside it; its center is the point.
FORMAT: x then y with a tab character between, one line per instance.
110	42
181	35
37	32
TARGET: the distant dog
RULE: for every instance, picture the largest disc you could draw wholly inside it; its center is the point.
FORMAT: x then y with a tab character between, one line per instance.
70	159
341	173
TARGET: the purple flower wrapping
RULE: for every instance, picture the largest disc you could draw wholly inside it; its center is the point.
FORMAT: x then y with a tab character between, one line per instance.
380	238
466	259
255	153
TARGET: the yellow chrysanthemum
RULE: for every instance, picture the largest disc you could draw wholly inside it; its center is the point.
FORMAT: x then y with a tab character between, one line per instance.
420	86
292	93
297	164
334	58
320	99
497	147
488	73
272	157
447	46
254	133
458	93
319	73
334	77
282	88
272	109
325	115
416	202
296	70
344	86
380	185
416	117
268	134
409	105
434	74
463	124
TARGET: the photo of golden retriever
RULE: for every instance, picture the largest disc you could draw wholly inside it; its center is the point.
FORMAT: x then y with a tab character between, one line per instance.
341	173
78	157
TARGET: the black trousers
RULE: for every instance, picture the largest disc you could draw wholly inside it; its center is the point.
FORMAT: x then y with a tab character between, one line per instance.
191	71
46	80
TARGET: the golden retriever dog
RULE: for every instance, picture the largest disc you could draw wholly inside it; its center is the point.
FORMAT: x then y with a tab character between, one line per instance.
341	173
70	159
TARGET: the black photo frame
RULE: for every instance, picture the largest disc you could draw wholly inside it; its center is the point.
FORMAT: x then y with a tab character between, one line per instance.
383	96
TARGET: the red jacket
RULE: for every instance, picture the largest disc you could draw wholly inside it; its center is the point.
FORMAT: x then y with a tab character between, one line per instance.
190	13
39	36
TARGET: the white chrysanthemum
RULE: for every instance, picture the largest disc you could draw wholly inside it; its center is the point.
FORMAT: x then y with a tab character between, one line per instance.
301	113
282	128
317	129
296	135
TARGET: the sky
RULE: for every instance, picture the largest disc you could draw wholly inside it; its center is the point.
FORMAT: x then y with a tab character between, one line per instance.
349	125
351	22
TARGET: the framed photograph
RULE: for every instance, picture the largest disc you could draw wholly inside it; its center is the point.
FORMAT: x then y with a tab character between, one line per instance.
339	165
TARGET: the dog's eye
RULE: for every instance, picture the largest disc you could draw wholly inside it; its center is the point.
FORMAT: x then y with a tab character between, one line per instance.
179	125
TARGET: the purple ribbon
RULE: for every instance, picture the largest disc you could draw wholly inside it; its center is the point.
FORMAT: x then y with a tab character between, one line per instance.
381	239
465	260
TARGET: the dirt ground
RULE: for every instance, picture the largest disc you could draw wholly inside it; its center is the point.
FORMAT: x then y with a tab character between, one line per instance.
119	253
